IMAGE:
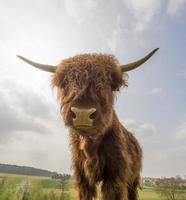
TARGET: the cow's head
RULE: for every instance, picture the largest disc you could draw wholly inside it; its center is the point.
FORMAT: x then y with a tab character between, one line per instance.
86	88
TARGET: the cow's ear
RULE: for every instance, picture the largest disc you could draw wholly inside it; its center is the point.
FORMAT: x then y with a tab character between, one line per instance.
116	80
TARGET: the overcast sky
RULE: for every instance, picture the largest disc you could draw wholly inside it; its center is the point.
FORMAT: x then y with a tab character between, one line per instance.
32	132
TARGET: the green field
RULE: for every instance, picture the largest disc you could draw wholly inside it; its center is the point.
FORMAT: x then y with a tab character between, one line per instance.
148	194
13	186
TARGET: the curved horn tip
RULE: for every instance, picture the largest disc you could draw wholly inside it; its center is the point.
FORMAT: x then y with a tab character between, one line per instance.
153	52
131	66
44	67
156	49
19	56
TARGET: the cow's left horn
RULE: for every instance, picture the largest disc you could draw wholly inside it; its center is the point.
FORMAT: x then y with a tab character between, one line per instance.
136	64
47	68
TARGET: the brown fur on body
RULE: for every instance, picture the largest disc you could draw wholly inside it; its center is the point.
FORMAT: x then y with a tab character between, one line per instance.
106	152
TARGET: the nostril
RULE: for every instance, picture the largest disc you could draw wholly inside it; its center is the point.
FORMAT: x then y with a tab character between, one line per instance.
93	115
72	114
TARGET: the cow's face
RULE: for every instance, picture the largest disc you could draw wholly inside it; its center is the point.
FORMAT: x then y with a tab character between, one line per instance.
86	88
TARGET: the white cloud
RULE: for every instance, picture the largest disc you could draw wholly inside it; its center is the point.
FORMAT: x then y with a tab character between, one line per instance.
143	12
164	160
31	126
143	131
155	91
114	40
182	73
181	133
49	151
80	10
175	6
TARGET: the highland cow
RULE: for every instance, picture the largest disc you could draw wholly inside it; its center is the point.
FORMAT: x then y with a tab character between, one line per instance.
102	149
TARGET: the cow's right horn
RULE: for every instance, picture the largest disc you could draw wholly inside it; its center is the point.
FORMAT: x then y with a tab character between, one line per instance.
131	66
47	68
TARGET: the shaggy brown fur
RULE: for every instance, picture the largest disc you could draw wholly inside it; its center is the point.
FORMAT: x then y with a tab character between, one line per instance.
107	152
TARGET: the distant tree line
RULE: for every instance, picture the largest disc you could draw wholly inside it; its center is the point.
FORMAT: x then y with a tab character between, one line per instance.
31	171
153	182
173	188
56	175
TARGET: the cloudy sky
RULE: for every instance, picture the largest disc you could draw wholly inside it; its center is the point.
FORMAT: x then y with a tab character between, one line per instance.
32	132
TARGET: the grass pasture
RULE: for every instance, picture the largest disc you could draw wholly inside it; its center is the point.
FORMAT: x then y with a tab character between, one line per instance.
12	187
45	188
148	194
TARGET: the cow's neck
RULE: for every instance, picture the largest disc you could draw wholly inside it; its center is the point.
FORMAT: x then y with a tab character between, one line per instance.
91	144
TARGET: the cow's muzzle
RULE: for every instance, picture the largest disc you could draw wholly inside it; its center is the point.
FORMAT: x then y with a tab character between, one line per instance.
83	117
